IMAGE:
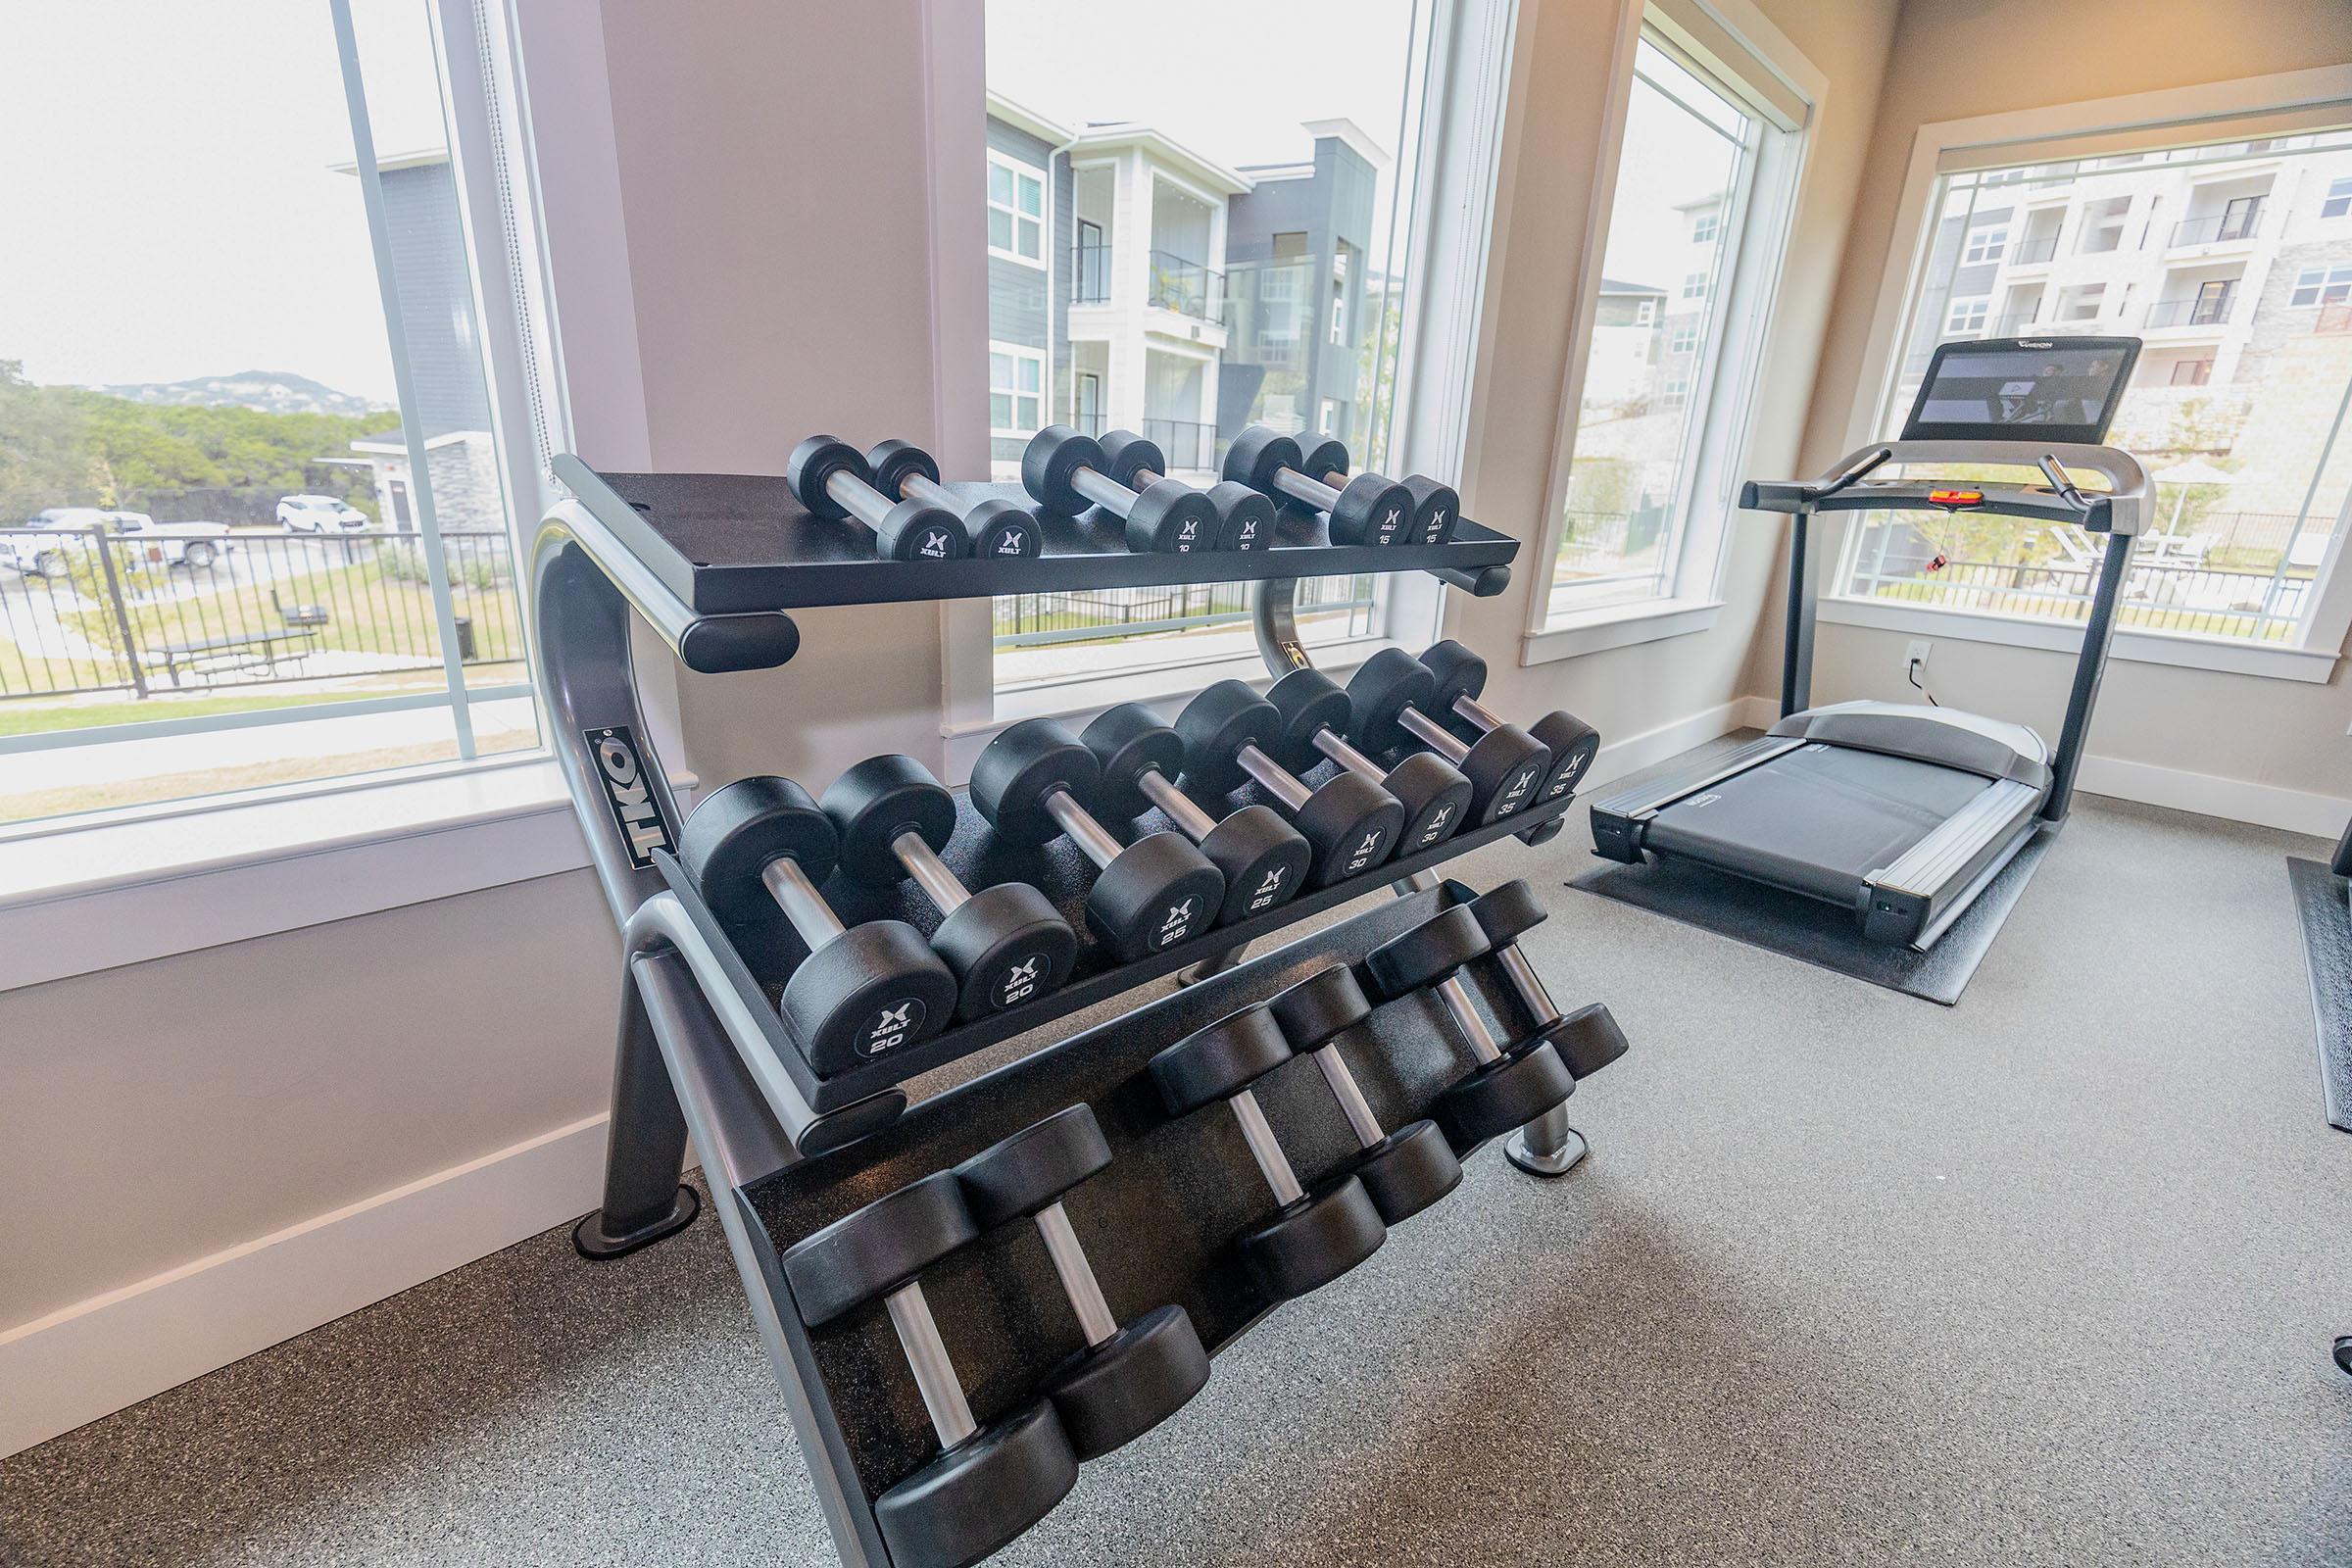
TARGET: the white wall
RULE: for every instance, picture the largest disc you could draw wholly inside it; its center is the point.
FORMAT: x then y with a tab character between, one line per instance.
2275	751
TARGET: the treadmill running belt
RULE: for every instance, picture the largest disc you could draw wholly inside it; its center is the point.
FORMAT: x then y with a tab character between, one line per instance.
1816	821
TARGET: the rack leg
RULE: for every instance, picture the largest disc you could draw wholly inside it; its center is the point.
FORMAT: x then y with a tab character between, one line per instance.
1547	1146
1208	968
645	1149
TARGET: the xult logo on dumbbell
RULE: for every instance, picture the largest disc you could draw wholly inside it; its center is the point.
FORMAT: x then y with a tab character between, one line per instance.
1438	823
1512	797
893	1026
1565	779
1021	982
1368	854
1268	892
1172	928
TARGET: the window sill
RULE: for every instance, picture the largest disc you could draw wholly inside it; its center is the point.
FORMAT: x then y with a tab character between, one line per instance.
82	897
1083	699
1592	632
2228	655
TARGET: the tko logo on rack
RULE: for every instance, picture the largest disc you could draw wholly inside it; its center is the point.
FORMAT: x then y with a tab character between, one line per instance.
636	811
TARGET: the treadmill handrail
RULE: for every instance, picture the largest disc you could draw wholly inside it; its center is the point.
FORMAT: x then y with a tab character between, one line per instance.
2126	504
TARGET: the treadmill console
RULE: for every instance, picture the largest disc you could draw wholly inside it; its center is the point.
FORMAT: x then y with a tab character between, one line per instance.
2055	389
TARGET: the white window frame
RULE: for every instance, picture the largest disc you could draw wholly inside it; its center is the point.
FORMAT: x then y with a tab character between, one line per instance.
1044	260
2244	109
1706	227
1645	312
1968	313
95	892
1017	353
1986	245
1683	339
1461	101
2322	279
2338	197
1694	285
1780	90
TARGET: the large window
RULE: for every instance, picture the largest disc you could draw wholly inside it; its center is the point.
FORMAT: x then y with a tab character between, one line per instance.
253	514
2241	290
1219	256
1656	392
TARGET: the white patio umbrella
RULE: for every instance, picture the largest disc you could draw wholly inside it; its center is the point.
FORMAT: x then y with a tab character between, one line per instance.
2181	475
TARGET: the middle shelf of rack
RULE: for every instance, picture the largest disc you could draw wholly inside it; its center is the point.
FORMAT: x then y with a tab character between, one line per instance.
731	544
759	956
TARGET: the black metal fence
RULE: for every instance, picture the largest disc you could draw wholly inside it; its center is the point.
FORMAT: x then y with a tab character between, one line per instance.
167	609
1031	620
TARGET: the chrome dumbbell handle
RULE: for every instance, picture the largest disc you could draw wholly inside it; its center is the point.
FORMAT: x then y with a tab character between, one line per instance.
1350	1094
801	903
930	872
1272	1162
1272	777
1083	831
1434	735
1161	791
1078	1280
934	1374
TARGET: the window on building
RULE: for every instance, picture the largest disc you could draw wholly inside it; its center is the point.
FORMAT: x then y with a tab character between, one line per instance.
1016	210
1706	226
1967	316
1986	245
1645	312
1698	142
2253	473
1285	233
2338	200
2103	225
1017	390
237	550
2322	285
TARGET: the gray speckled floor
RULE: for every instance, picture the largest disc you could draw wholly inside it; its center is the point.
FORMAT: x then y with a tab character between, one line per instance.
2046	1278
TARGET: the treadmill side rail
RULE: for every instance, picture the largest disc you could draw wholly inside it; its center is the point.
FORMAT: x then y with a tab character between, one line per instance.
1914	899
1621	819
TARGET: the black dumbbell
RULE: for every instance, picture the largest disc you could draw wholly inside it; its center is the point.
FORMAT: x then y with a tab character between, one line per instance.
1508	1088
1245	518
1394	695
1031	782
1406	1170
828	477
1006	942
1588	1039
1127	1380
761	844
904	471
1315	1235
1230	734
988	1484
1461	675
1315	717
1068	471
1263	858
1435	507
1368	511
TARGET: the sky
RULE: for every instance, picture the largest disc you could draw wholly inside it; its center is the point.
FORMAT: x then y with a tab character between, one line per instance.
172	206
1671	156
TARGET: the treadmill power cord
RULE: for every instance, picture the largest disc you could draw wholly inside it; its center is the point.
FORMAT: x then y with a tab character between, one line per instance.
1911	673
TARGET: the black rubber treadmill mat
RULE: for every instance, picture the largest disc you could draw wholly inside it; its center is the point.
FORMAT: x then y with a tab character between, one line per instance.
2320	904
1816	819
1819	933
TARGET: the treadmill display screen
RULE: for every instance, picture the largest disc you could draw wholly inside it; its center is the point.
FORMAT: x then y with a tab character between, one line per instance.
2007	389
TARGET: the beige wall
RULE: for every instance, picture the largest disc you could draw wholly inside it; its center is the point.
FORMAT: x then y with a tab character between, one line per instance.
1952	61
1630	691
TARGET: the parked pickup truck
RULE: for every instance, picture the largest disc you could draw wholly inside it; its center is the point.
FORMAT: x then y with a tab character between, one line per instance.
48	544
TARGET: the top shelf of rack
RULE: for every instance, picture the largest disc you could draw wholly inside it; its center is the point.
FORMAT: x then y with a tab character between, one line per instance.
739	543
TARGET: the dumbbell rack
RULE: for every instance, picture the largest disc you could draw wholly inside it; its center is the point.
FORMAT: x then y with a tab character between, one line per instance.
714	564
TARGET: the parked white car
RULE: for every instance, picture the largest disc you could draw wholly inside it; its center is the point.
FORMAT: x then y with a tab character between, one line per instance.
63	532
320	514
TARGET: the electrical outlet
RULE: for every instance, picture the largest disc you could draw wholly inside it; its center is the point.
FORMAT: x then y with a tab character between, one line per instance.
1915	656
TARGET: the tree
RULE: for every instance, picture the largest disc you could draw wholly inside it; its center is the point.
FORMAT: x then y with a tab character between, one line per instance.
44	454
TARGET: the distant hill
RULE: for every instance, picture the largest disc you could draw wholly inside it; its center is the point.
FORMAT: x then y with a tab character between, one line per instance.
269	391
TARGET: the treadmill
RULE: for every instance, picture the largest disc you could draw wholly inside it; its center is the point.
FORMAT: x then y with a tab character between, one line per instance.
1906	812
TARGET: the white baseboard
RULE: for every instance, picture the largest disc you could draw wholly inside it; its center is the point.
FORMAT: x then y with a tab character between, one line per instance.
2235	800
1631	755
98	1356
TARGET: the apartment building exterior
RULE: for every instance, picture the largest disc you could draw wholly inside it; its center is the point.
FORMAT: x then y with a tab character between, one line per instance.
1136	283
2236	274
